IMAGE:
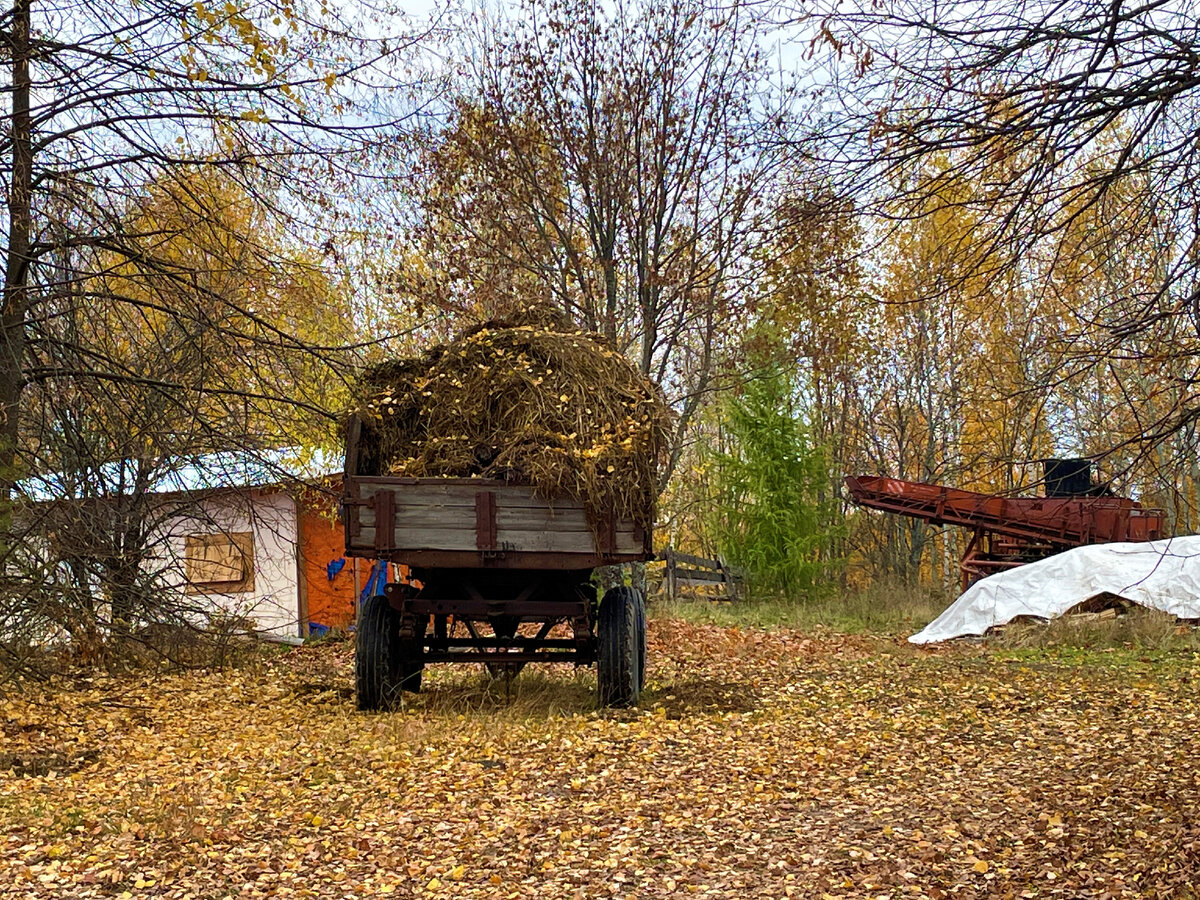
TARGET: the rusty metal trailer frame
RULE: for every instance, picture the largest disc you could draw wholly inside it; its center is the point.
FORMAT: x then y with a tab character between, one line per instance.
477	600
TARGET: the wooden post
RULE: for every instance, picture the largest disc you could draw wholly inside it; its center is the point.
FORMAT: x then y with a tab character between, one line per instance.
357	590
301	575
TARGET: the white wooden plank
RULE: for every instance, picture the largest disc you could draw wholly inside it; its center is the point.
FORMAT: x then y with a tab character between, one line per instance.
561	542
548	541
463	494
425	517
529	541
422	539
432	515
541	519
515	496
435	538
425	494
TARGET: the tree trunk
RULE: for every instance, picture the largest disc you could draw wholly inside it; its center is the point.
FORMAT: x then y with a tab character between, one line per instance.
16	264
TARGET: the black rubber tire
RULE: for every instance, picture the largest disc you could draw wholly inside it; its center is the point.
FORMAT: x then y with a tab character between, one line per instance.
377	655
618	648
641	640
412	658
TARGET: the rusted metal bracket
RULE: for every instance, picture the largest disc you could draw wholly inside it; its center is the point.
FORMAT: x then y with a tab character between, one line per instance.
485	521
384	504
398	595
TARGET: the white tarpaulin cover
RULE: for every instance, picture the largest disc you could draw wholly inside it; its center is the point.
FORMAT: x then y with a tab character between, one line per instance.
1163	575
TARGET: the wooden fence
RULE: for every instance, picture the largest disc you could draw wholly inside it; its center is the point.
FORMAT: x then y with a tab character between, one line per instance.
687	577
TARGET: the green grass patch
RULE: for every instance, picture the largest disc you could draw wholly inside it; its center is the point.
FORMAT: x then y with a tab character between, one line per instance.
1114	637
882	609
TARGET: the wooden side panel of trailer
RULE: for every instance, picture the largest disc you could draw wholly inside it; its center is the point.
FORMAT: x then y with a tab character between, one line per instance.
475	522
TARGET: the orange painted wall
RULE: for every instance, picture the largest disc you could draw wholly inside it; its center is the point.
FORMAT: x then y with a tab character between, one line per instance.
322	540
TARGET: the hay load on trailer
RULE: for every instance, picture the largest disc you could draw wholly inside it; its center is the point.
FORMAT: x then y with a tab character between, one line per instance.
526	400
502	467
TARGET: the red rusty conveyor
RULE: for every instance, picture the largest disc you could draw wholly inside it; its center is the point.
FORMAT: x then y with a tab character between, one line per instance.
1010	531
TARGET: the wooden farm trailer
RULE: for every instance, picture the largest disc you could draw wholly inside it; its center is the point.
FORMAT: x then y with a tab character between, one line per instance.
484	558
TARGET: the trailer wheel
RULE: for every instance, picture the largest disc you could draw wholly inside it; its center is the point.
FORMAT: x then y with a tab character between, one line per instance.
376	654
618	662
412	657
641	640
384	663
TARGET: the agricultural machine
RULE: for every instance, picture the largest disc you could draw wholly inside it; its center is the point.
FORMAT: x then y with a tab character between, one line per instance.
1010	531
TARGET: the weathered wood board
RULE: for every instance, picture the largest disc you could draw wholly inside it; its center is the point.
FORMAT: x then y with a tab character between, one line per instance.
474	516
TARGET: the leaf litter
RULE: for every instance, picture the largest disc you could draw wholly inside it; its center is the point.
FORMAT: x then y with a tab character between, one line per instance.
761	764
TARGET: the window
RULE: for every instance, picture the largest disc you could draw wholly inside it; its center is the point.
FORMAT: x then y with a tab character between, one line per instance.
221	563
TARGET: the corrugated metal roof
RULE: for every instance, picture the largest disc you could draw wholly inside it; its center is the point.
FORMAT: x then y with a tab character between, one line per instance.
185	474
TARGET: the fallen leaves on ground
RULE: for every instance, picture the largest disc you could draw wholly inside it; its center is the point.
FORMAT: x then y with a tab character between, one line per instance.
760	765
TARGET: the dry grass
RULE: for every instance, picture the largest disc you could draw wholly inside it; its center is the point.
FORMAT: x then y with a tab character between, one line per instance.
528	400
891	611
885	609
1133	628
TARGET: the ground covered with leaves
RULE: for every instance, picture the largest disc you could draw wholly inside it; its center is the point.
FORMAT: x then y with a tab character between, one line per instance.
761	764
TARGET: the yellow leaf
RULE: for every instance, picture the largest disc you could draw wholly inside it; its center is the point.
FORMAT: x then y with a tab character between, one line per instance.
495	879
433	885
981	866
457	873
317	821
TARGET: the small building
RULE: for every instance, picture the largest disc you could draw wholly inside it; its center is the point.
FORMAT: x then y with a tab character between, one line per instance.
270	554
254	537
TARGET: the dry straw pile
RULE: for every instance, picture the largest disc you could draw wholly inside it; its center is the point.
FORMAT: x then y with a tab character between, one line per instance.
528	399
